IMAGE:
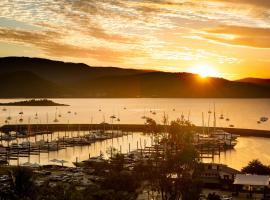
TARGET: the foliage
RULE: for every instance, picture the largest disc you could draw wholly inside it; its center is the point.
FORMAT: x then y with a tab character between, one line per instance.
59	192
256	167
174	174
151	125
21	185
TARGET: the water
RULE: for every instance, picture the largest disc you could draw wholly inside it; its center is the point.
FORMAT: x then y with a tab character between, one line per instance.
70	154
243	113
247	149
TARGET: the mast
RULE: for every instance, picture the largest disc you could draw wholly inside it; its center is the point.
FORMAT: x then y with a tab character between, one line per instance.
214	117
203	122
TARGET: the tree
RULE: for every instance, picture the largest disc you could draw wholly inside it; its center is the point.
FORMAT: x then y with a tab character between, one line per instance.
172	173
22	183
256	167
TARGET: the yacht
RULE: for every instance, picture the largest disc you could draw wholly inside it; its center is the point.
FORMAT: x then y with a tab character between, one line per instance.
90	161
222	135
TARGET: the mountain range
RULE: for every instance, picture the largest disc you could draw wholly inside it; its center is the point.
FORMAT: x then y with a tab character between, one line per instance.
23	77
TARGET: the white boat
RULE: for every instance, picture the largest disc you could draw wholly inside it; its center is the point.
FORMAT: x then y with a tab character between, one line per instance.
221	134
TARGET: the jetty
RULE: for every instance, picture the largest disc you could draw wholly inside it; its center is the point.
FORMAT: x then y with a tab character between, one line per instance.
37	128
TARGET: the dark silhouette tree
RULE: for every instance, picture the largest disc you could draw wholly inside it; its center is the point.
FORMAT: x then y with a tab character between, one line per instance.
22	183
256	167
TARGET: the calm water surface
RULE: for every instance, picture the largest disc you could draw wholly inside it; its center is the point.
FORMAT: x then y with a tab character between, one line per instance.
243	113
248	148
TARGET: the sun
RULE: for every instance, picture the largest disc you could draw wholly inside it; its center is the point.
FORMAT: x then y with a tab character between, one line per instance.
204	71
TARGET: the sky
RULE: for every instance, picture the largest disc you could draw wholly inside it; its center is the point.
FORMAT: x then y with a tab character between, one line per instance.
227	38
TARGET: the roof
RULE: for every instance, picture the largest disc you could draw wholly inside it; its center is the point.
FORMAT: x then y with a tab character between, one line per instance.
248	179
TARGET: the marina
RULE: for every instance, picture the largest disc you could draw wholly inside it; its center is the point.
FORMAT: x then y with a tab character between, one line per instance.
58	145
76	142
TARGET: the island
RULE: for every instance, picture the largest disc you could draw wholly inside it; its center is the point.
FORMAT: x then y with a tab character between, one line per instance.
33	102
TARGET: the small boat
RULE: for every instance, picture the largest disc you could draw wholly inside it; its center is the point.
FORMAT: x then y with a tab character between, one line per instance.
258	122
263	119
21	113
231	125
209	112
4	109
222	135
221	116
118	120
90	161
69	112
55	120
3	161
36	116
113	117
21	120
173	110
230	143
125	108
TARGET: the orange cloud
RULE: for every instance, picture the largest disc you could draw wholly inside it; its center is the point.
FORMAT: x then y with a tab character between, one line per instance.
261	3
51	45
238	35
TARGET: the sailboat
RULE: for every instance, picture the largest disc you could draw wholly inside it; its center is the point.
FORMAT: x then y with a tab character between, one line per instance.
221	116
55	119
9	117
36	116
21	116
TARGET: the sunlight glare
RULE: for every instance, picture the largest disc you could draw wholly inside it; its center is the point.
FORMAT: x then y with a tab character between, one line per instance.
204	71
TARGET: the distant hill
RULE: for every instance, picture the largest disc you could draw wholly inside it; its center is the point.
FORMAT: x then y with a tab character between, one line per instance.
258	81
33	102
60	72
27	84
40	78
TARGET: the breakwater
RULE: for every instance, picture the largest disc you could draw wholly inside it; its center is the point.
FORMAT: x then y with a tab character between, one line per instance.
123	127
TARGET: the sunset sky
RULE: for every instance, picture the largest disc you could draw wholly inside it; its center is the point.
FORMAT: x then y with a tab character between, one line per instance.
228	38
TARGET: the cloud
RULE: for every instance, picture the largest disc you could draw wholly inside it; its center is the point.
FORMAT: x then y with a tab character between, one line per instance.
260	3
51	44
237	35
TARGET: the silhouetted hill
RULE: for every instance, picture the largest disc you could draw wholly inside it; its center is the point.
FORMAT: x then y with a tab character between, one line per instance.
35	77
26	84
258	81
160	84
60	72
